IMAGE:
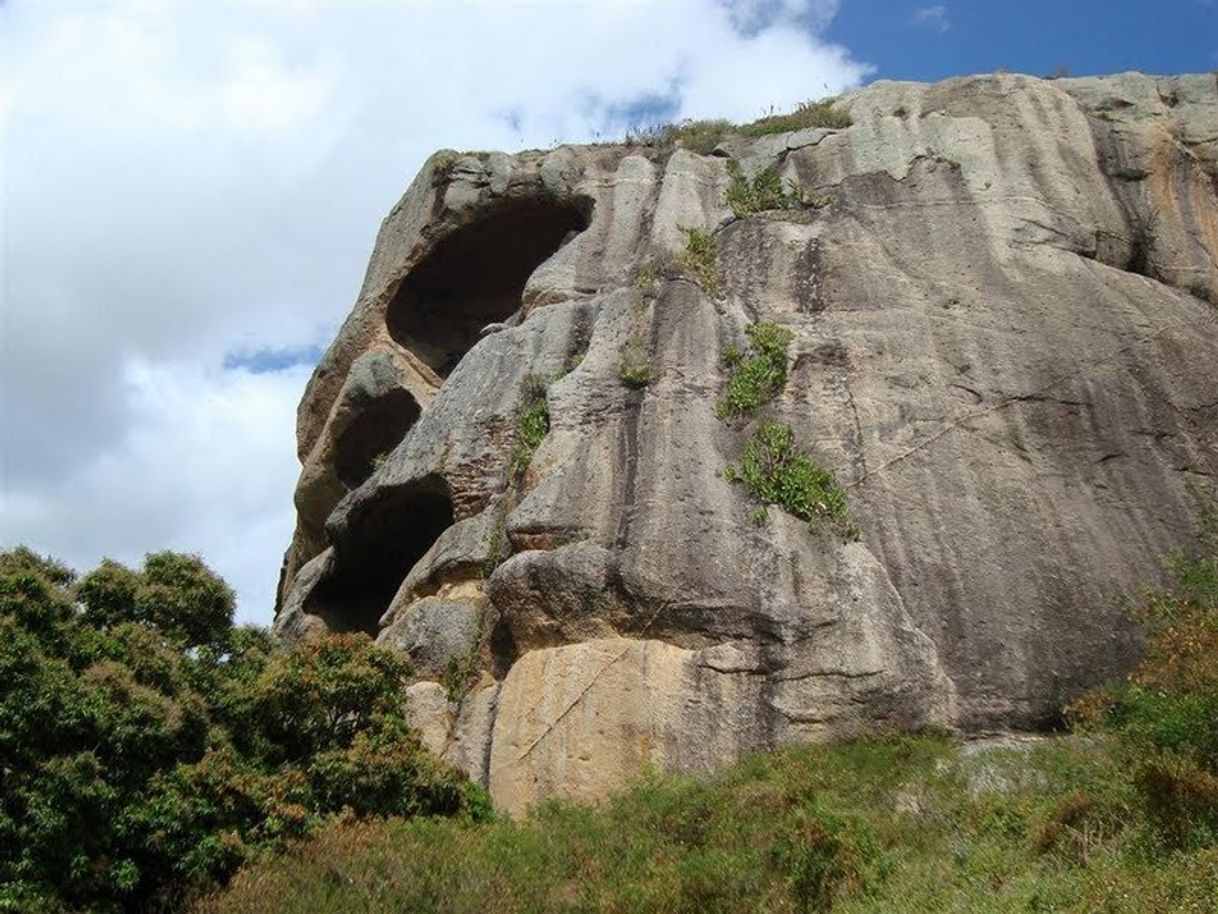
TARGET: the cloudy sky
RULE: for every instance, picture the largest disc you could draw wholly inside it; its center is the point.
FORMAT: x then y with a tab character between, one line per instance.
189	192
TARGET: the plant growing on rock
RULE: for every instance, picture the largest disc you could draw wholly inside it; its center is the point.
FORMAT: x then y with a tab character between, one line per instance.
700	259
765	192
697	136
758	374
532	423
808	114
633	369
777	473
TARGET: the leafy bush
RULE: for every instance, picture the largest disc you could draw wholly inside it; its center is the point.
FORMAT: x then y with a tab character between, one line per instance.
776	473
774	834
148	748
808	114
758	374
532	423
1166	714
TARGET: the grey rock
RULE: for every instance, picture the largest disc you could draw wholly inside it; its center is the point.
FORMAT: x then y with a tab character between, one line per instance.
432	632
1005	332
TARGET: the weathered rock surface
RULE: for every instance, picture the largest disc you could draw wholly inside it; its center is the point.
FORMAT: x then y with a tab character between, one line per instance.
1005	344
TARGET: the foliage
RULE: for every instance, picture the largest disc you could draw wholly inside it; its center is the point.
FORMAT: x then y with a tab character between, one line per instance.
871	827
808	114
765	192
148	748
1166	714
758	374
701	136
633	369
776	473
700	259
532	423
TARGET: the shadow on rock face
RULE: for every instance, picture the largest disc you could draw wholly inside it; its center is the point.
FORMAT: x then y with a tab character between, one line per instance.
376	550
476	277
374	433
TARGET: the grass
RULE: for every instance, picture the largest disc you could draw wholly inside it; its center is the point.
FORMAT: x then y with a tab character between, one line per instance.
703	136
700	259
700	136
633	369
532	423
758	374
904	825
777	473
697	262
808	114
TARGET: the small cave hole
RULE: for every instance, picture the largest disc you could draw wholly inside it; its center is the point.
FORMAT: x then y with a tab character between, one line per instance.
476	276
375	432
381	543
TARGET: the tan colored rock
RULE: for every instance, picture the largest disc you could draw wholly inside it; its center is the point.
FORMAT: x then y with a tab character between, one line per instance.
1005	333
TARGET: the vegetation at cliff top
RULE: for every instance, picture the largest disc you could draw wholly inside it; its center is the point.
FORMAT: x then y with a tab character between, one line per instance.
148	748
702	136
1119	818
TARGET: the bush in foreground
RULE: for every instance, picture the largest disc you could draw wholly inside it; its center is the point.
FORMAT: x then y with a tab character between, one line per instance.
1166	715
148	748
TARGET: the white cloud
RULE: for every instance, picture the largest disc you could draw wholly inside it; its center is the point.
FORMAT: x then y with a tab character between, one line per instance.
183	180
934	17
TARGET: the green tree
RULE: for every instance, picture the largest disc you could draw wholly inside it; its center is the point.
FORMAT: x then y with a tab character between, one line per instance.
147	747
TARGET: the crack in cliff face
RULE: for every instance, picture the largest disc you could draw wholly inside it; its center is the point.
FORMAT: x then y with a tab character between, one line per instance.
476	276
376	550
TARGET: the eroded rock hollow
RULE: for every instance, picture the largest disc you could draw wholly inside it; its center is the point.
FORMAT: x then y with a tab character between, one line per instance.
1002	295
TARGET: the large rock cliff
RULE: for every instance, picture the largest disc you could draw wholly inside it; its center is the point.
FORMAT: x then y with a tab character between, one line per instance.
1002	293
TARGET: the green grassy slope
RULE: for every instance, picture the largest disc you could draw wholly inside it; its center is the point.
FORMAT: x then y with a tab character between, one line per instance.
911	825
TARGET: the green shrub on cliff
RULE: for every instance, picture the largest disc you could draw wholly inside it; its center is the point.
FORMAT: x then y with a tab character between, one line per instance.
147	747
758	374
776	472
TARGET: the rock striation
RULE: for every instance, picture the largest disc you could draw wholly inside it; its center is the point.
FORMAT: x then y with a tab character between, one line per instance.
1003	295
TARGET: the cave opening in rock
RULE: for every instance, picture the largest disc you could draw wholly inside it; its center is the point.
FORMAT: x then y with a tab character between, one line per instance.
476	276
376	431
383	540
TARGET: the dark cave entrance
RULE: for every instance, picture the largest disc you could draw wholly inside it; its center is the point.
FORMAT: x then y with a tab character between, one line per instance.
382	542
376	431
476	277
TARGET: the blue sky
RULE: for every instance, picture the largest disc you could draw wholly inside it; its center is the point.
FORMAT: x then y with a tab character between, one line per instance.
190	191
931	41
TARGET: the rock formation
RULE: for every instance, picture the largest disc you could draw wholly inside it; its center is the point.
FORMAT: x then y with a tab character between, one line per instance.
1002	293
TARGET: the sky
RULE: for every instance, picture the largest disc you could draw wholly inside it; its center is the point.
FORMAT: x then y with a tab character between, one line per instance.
189	193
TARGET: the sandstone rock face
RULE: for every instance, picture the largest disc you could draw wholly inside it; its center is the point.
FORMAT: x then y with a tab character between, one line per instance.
1005	319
